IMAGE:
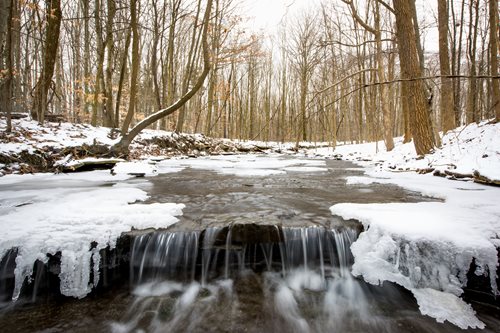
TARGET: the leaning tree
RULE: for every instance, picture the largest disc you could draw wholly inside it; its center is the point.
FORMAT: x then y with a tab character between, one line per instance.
121	147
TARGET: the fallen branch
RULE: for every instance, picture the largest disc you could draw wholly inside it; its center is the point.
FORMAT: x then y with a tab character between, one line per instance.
478	178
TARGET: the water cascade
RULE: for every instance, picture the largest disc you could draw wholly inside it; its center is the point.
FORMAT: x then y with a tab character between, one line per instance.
238	279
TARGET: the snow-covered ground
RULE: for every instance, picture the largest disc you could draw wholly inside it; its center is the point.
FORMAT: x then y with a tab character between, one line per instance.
475	147
49	144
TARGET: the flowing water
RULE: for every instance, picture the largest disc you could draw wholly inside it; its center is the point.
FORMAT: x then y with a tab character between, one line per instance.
249	255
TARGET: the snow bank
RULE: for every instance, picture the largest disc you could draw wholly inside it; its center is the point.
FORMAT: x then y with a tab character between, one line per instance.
29	135
428	247
475	147
45	214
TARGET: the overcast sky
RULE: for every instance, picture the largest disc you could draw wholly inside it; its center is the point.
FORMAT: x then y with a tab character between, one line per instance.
266	15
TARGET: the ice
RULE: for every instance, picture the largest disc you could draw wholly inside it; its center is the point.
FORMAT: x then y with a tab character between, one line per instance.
75	272
427	245
246	165
444	306
43	215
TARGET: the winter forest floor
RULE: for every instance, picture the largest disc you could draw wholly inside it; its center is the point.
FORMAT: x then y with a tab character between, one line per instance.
426	247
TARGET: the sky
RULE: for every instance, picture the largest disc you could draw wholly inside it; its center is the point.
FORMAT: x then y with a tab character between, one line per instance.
266	15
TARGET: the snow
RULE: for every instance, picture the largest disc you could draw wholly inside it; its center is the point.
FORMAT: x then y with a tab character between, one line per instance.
475	147
67	213
246	165
135	168
428	247
56	135
445	306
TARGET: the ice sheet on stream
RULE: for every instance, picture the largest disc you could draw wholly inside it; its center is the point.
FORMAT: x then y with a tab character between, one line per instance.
45	214
246	165
428	247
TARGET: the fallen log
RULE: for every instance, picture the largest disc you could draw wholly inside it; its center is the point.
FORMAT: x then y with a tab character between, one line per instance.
481	179
90	164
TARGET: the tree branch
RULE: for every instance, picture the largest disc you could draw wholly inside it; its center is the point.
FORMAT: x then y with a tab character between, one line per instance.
122	146
471	77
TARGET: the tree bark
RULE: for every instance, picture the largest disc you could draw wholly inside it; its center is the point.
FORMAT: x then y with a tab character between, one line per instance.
123	69
54	17
135	67
109	120
446	103
410	68
99	89
6	78
495	85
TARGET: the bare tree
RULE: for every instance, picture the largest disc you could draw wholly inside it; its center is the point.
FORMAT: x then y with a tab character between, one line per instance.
447	103
122	146
135	68
6	60
495	85
410	69
305	55
377	32
53	18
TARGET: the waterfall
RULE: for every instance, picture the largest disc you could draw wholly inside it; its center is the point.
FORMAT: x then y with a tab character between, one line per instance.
298	281
178	256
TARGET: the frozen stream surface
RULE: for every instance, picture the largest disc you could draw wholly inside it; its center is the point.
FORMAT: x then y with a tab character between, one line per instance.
246	244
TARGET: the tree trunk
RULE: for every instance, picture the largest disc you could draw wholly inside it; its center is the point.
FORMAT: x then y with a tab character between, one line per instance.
446	102
495	86
304	82
471	114
109	120
192	58
386	110
6	81
457	60
86	56
410	69
54	17
123	69
135	67
99	89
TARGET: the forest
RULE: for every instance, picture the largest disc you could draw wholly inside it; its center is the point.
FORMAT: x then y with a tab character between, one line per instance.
342	71
178	166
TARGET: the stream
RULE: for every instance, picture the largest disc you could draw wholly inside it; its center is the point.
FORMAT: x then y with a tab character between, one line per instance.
249	254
